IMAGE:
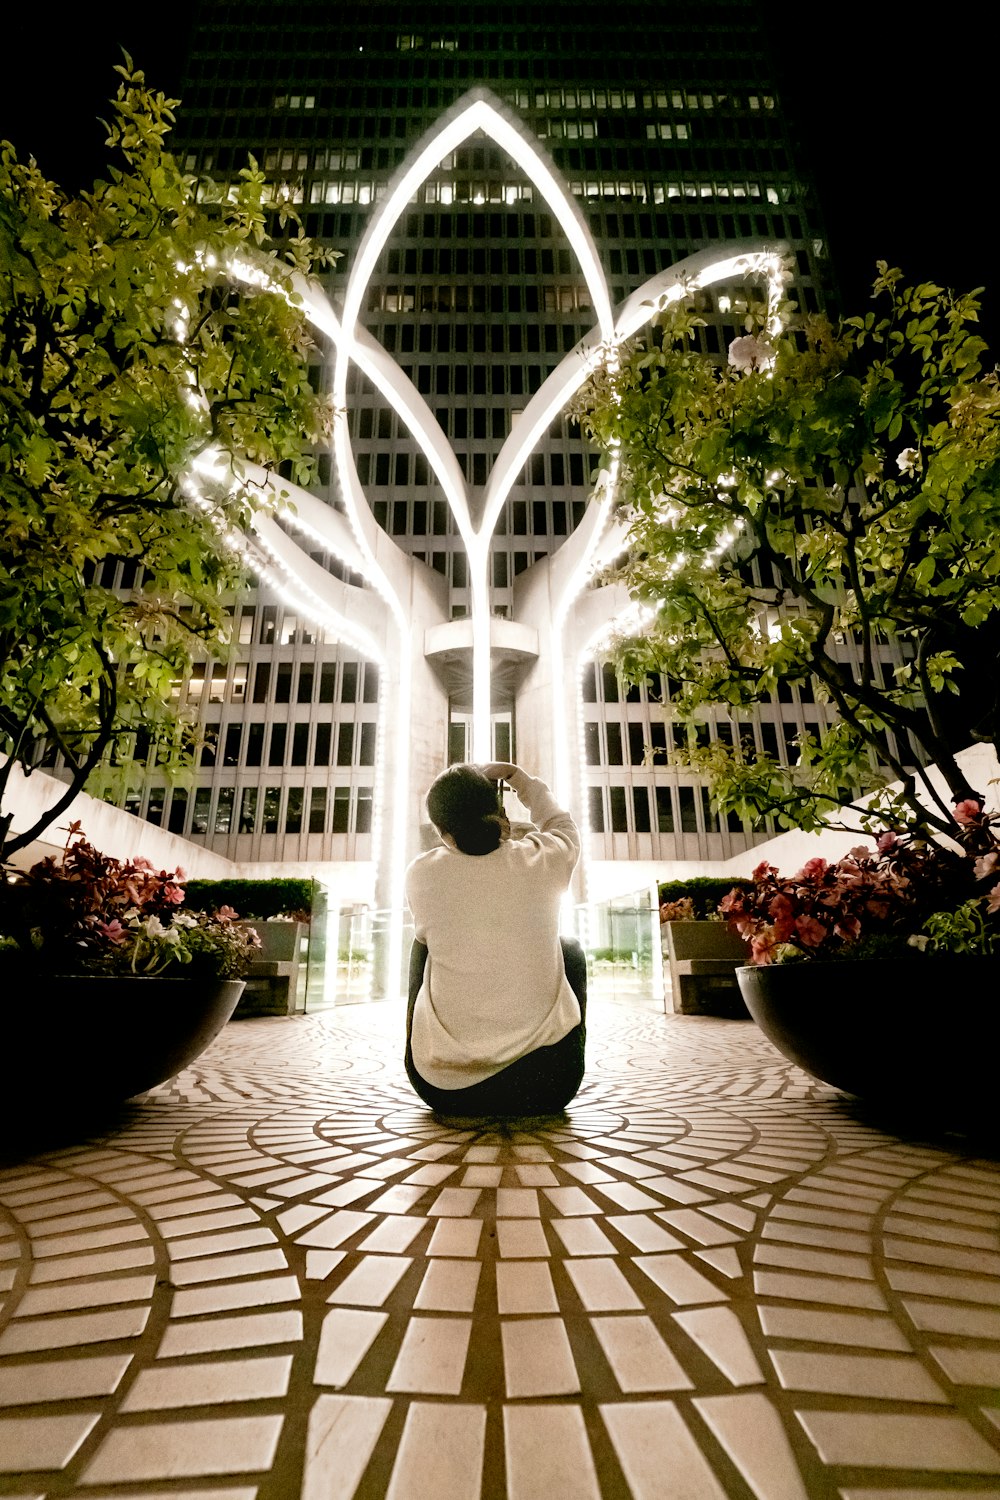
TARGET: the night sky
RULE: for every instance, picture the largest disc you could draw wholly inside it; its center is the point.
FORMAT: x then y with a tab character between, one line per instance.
895	119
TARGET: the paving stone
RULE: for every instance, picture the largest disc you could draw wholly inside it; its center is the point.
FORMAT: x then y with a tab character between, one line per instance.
708	1274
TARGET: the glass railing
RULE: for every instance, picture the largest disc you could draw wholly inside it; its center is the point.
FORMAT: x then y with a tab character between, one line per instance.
348	950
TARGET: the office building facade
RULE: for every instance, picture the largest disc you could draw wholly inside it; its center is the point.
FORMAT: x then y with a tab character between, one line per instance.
509	189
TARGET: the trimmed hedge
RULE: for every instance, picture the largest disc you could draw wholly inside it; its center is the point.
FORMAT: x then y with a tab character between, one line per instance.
251	898
704	891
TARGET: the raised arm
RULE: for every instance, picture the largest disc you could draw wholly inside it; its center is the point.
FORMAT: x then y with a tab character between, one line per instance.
546	814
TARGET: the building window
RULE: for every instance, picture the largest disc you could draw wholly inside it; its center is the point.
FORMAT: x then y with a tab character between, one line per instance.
268	624
178	810
345	744
341	808
363	816
248	809
640	808
272	806
279	734
202	805
224	809
321	750
317	810
255	744
231	753
595	801
293	810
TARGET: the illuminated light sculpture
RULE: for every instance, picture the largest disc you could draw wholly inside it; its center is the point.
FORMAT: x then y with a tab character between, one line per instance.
407	624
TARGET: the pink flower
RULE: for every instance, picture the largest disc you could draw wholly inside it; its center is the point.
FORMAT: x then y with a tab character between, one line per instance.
985	865
813	870
810	932
783	913
172	894
226	914
116	933
849	928
760	949
968	811
885	842
993	900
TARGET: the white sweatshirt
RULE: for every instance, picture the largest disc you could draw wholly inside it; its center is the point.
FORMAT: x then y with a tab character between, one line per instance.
494	987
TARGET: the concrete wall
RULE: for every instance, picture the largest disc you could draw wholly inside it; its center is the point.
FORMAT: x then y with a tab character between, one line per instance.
788	852
126	837
109	828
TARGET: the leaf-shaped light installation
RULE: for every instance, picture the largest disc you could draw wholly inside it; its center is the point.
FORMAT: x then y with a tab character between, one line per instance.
592	542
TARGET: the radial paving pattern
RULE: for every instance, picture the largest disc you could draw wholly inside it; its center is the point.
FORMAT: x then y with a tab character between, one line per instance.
281	1275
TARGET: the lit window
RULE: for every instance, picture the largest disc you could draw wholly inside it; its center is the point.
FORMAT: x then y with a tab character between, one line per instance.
202	804
224	809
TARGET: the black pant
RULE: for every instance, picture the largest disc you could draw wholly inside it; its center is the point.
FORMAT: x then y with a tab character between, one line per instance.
540	1083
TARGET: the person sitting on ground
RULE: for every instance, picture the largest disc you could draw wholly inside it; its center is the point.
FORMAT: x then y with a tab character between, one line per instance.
497	1000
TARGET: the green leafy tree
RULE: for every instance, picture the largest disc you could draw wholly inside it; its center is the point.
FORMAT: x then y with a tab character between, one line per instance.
128	352
831	489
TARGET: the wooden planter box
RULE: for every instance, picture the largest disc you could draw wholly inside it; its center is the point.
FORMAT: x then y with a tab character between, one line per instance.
703	958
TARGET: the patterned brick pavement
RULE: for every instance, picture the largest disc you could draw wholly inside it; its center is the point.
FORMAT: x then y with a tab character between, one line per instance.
280	1275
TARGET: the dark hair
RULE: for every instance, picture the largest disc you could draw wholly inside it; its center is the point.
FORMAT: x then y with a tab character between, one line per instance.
463	803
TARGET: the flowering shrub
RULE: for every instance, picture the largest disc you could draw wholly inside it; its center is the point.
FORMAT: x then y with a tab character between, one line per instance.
88	913
830	483
678	911
904	893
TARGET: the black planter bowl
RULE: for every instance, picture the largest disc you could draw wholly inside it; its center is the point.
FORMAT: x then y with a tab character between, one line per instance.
919	1031
73	1041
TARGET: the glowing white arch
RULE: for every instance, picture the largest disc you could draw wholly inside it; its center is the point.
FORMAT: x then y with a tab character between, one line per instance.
479	110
